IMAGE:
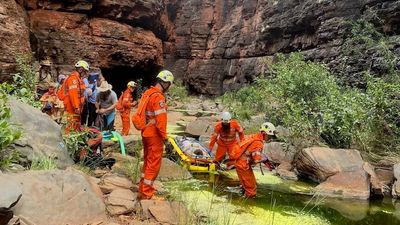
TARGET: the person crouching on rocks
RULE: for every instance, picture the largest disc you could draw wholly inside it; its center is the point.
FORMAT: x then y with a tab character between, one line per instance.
49	101
105	106
251	153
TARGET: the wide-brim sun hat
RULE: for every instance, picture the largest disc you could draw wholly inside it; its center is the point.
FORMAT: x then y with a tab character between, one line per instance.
104	86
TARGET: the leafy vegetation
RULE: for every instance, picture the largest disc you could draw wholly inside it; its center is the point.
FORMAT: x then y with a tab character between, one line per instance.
75	142
23	87
178	92
8	133
305	98
43	163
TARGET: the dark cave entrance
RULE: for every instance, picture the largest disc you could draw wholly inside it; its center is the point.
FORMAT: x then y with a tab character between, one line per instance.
119	76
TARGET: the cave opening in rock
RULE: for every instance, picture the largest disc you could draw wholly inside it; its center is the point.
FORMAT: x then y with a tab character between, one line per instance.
119	76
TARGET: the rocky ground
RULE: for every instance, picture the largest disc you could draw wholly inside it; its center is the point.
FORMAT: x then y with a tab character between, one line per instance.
109	196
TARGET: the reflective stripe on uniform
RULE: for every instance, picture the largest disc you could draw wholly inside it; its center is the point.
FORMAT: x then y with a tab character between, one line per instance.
155	113
148	182
73	87
227	139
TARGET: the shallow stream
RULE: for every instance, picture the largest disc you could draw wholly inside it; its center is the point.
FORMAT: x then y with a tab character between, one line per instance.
278	202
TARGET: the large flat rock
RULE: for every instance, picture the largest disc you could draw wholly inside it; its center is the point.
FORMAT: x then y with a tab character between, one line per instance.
319	163
60	196
351	185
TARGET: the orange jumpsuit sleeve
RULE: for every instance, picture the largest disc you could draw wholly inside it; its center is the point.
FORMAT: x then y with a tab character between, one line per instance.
126	100
160	111
73	92
214	136
239	129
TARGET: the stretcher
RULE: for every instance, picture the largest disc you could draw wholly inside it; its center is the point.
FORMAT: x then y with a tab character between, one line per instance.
191	154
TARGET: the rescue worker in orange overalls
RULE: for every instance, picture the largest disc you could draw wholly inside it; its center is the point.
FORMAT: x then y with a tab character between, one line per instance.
154	135
74	89
225	136
127	104
251	153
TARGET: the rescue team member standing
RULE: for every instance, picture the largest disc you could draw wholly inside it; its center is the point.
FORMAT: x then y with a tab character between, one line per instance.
155	132
72	93
127	104
225	136
251	153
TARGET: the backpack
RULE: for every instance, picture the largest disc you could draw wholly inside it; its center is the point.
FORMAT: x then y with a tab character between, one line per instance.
120	106
139	118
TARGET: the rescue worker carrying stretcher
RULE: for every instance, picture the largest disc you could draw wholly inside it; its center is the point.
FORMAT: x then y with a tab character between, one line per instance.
224	135
153	107
251	153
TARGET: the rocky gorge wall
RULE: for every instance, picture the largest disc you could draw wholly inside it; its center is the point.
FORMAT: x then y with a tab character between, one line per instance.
212	45
224	44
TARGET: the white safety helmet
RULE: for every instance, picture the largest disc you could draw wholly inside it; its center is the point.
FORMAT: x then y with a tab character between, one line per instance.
226	117
82	64
268	128
166	76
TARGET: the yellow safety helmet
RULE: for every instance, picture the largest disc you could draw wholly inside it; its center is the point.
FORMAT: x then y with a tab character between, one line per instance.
268	128
166	76
131	84
82	64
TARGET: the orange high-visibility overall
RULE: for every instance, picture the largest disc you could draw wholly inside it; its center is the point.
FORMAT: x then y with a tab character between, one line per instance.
154	135
127	103
73	101
227	141
250	153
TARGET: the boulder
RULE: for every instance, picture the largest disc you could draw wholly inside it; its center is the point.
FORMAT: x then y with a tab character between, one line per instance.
319	163
378	188
111	182
41	136
201	126
121	201
164	211
279	152
385	175
59	196
347	185
172	171
11	193
285	171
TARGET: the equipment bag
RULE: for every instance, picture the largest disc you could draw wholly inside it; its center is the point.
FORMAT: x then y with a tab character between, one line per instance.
139	118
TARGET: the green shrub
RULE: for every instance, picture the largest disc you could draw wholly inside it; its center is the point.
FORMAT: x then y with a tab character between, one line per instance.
24	81
178	92
75	142
305	98
8	133
43	163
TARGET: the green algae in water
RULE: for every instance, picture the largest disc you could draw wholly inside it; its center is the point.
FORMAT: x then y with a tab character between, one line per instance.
209	200
226	210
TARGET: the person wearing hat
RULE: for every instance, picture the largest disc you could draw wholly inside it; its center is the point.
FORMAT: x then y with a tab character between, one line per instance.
126	103
44	77
106	102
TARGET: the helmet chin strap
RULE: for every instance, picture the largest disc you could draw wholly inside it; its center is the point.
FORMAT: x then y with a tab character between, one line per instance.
164	88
